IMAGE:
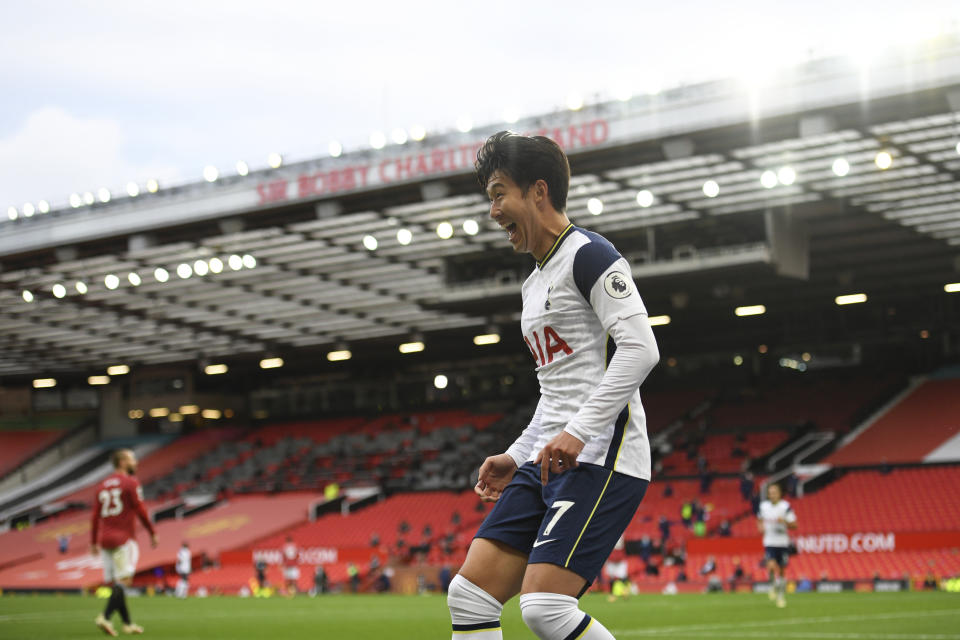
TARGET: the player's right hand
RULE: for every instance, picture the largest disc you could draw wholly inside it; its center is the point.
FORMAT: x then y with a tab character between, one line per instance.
95	549
496	472
153	541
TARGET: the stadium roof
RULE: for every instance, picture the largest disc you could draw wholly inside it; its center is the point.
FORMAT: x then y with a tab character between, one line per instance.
830	181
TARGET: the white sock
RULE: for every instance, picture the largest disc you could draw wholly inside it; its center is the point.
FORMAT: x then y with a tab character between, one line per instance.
475	614
553	616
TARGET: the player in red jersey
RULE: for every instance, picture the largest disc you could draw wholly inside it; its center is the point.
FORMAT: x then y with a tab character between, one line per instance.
116	503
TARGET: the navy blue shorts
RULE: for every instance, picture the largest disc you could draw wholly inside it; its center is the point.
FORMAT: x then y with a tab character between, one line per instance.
573	522
780	555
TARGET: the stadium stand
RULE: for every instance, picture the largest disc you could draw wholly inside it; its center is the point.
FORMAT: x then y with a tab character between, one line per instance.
928	414
18	446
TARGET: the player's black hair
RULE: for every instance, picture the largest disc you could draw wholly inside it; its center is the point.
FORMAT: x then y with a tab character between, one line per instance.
526	159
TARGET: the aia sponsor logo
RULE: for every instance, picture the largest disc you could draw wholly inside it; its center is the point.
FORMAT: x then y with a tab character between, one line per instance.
546	349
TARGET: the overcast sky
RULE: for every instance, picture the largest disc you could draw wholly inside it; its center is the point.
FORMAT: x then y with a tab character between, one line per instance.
100	93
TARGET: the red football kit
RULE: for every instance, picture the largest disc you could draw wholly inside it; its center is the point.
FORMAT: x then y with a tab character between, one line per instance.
115	502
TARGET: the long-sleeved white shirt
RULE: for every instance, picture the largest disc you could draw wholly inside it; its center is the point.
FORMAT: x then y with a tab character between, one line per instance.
587	328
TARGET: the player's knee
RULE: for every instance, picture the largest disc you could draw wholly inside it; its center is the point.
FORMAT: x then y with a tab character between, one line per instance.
546	614
469	604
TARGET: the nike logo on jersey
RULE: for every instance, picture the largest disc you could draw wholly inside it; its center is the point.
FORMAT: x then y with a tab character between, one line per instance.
540	542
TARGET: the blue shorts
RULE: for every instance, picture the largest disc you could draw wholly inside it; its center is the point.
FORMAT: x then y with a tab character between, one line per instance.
573	522
780	555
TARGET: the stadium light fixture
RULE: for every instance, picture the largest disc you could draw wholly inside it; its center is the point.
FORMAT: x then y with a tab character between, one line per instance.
242	168
75	200
134	278
787	175
249	261
750	310
103	194
184	270
335	149
851	298
623	93
12	213
737	360
44	383
175	417
763	348
768	179
644	198
216	265
404	236
659	321
274	160
399	136
711	189
153	185
43	207
118	370
841	167
210	173
88	198
189	409
418	132
135	414
883	160
805	356
464	124
370	243
339	356
471	227
440	381
235	262
510	115
595	206
80	286
411	347
28	210
159	412
98	380
133	189
574	102
27	295
111	281
211	414
201	268
486	338
215	369
378	140
953	287
59	290
161	275
271	363
445	230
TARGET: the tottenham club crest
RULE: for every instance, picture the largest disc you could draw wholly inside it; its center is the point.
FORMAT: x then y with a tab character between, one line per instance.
616	285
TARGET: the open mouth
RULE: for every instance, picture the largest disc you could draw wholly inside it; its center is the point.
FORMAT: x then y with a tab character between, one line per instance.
512	230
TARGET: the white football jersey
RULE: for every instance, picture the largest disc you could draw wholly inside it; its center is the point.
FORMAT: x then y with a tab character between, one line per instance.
775	532
574	295
183	560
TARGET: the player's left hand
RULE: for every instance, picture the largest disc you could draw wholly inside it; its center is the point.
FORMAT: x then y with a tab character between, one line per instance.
153	541
559	455
95	549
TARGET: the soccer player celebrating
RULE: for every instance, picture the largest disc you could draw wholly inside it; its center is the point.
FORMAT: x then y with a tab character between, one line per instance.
774	518
116	501
566	489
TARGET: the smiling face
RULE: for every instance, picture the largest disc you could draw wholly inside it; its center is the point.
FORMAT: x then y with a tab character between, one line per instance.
774	494
519	213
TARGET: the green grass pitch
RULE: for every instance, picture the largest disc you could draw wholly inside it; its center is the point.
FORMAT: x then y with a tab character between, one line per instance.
847	616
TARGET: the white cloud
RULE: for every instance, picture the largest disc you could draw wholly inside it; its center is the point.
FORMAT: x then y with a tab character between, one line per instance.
55	153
